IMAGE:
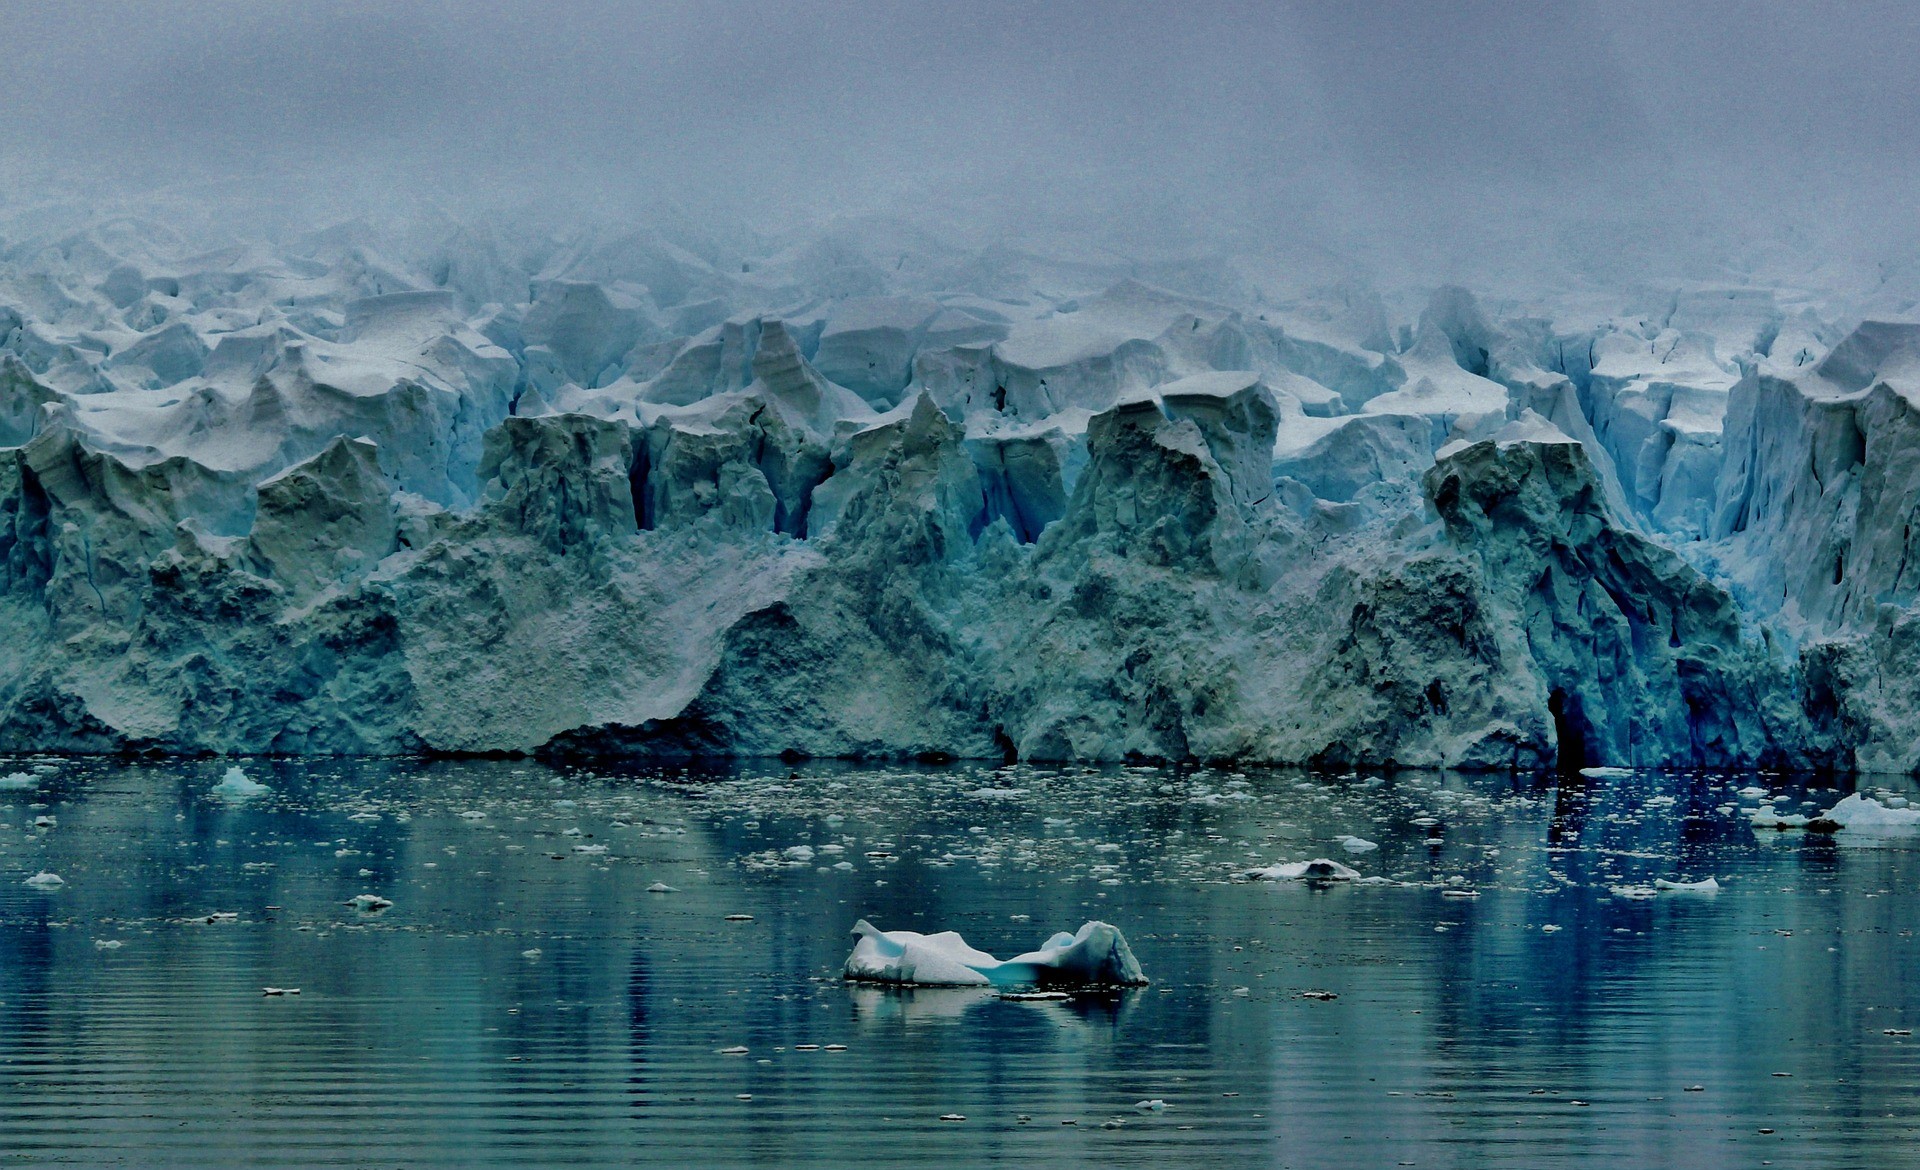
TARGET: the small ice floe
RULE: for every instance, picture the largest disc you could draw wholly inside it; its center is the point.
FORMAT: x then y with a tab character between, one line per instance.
591	850
1634	893
1322	996
16	781
739	918
1320	869
997	793
1095	954
661	888
1864	814
1607	773
1766	817
474	814
1153	1105
531	953
801	853
279	991
736	1050
1703	886
46	881
45	822
369	903
1548	928
236	786
1353	844
1753	792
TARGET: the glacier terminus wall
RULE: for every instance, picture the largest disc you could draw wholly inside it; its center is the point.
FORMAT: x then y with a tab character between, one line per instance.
632	493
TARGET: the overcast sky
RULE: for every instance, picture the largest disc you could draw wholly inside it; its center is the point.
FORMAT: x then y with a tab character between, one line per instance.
1350	117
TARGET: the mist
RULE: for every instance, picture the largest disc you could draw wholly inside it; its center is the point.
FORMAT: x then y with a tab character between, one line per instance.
1421	140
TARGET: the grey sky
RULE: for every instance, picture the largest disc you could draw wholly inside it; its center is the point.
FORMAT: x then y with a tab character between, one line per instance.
1330	118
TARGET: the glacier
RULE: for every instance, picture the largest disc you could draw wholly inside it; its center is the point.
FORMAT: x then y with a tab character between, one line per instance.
638	493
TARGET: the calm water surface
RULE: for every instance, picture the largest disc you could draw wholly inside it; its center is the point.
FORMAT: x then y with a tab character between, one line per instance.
527	1001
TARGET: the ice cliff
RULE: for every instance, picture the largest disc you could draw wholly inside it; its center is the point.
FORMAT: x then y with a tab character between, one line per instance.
445	490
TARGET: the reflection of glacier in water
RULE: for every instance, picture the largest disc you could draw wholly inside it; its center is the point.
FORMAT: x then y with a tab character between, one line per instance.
526	998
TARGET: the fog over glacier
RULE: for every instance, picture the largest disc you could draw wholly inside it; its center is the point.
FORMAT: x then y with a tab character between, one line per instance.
1562	131
1458	385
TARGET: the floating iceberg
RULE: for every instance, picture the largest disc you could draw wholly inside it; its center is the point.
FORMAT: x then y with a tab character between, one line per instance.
1320	869
46	881
236	786
1353	844
1703	886
1864	814
1097	953
1765	817
1607	773
19	780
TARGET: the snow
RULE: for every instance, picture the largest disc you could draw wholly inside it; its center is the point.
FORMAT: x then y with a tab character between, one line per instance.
1095	954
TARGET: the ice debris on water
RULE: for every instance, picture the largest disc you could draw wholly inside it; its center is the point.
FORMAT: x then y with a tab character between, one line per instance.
236	786
369	903
1353	844
1095	954
18	780
661	888
1320	869
1607	773
46	881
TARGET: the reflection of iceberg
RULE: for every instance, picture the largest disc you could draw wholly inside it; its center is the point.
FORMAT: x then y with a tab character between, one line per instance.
1864	814
1095	954
917	1005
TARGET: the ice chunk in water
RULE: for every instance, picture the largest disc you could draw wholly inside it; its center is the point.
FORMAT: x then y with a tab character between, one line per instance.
236	786
17	780
46	881
1095	954
1704	886
1864	814
1320	869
